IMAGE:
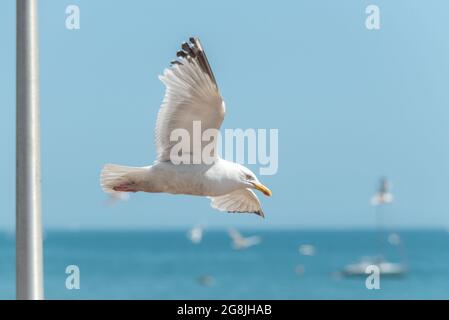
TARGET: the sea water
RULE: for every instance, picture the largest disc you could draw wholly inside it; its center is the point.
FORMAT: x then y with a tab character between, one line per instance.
166	265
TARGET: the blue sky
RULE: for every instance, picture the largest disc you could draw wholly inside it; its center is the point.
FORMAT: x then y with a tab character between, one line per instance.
350	105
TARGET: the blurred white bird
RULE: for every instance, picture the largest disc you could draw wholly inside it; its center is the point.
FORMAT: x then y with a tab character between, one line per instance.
394	239
307	250
192	95
195	234
383	195
239	242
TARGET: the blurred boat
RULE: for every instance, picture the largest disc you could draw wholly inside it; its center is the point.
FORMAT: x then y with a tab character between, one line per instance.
385	268
239	242
382	197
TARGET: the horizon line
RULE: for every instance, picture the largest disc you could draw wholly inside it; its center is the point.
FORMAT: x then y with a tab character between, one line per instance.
247	228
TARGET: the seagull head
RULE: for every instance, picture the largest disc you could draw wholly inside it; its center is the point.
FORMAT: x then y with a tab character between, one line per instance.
249	180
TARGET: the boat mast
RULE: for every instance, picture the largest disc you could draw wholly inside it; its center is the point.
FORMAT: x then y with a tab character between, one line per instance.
380	199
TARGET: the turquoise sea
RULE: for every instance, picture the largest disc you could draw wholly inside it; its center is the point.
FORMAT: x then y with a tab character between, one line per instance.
166	265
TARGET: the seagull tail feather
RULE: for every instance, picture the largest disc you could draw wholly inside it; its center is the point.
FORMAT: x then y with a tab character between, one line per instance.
113	176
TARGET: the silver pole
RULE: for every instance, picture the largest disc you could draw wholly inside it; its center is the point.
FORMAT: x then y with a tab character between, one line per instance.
29	261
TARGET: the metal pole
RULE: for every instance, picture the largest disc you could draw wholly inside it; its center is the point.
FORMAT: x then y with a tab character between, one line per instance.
29	261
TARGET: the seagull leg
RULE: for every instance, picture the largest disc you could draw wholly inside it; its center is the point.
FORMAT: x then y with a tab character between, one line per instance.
126	187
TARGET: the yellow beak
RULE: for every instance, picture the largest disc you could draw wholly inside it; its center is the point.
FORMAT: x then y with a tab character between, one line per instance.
263	189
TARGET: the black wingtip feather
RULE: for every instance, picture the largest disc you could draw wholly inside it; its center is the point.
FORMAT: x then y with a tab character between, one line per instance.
259	213
185	46
181	54
195	51
174	62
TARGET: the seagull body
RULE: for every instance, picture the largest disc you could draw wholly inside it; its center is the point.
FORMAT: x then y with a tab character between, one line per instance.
192	179
192	95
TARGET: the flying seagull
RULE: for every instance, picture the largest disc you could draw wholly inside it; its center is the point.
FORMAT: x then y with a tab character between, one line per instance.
195	234
240	242
307	250
191	96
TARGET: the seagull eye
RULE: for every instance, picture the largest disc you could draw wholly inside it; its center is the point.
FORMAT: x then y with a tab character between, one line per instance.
248	177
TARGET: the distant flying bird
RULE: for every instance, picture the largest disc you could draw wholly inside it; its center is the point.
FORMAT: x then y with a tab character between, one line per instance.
239	242
383	195
191	95
195	234
394	239
307	250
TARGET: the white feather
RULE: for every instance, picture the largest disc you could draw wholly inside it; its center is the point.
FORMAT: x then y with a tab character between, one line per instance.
190	96
242	200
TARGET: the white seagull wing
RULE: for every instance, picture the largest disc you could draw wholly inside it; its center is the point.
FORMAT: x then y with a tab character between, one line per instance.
235	235
239	201
252	241
191	95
